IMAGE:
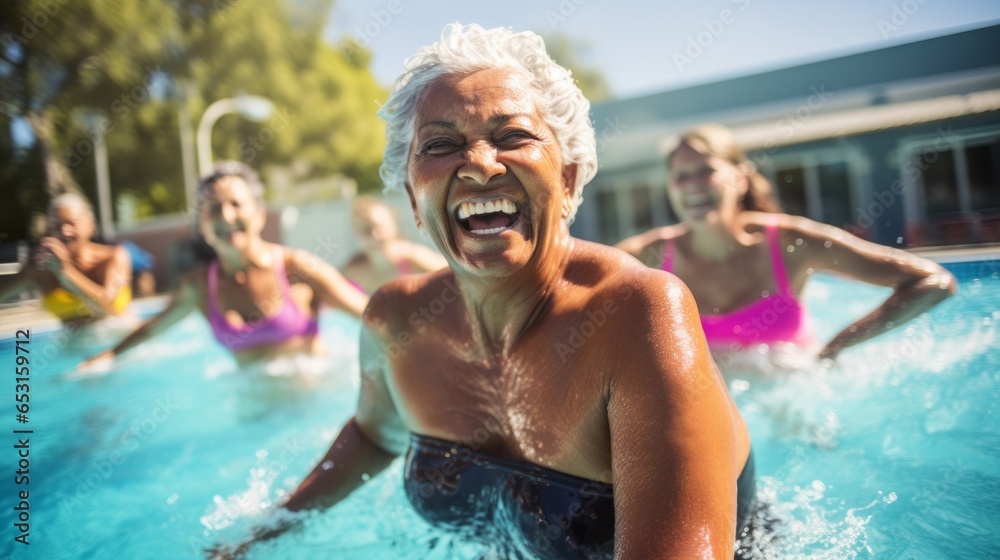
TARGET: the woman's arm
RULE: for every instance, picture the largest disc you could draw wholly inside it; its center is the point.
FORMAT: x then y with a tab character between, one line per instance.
329	285
366	445
674	444
184	301
99	296
648	247
423	258
918	284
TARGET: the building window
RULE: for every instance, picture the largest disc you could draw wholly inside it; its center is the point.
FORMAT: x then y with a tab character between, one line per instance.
819	186
642	207
835	193
958	180
791	183
607	215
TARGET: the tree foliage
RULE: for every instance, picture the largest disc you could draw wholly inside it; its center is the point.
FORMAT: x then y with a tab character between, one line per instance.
569	54
128	67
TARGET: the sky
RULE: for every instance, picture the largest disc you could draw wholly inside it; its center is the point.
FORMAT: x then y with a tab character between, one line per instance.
648	46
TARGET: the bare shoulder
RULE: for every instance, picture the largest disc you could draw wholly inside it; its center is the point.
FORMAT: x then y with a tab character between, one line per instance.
648	246
419	256
638	243
658	335
391	306
646	294
303	266
111	253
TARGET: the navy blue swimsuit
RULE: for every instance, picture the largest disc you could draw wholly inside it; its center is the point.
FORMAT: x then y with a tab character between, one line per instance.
522	509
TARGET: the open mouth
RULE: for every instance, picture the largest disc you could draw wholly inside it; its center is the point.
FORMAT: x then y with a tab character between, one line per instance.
227	232
701	202
487	218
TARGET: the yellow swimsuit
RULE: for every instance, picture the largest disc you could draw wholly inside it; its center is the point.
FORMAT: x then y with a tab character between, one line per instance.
67	306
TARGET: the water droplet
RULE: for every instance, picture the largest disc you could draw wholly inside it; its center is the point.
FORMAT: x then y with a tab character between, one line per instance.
365	477
899	240
764	293
261	453
327	465
762	348
791	248
889	324
172	499
827	244
810	271
798	241
818	485
890	498
715	310
737	329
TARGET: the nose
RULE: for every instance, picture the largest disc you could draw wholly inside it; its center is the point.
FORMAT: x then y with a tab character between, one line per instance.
228	213
67	230
480	163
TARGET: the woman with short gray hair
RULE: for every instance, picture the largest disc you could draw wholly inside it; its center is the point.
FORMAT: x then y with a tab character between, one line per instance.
554	398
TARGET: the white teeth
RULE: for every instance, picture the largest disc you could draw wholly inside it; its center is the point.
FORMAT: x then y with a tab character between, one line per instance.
467	209
488	231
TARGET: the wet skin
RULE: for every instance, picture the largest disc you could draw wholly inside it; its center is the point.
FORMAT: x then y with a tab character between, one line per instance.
483	352
247	289
383	254
68	259
722	254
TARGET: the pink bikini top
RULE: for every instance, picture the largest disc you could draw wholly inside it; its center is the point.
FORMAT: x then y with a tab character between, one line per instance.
287	323
777	317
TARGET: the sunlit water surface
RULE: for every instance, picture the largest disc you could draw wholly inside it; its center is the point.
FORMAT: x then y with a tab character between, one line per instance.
893	452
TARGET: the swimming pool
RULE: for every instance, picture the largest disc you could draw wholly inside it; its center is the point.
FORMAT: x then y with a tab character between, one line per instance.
894	452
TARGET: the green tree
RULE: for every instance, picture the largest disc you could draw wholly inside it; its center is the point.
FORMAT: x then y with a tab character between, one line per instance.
124	64
60	60
569	54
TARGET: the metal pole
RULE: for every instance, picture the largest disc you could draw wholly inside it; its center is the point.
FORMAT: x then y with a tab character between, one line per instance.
187	152
204	140
103	186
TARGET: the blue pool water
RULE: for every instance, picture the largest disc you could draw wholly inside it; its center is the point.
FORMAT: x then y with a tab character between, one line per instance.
894	452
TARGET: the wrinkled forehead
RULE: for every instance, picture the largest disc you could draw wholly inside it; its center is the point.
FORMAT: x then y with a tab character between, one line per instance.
481	96
230	187
71	214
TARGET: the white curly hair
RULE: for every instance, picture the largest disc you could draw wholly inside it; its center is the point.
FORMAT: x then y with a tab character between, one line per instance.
467	49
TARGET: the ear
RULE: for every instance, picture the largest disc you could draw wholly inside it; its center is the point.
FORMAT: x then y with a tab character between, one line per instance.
413	204
569	172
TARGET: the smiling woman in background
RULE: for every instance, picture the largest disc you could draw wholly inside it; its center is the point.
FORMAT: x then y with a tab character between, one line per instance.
260	299
80	280
384	256
747	264
628	445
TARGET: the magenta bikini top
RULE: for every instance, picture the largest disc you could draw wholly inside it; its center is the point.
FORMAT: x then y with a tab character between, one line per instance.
287	323
778	317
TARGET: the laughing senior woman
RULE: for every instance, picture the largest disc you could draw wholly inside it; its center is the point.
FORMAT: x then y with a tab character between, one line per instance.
517	429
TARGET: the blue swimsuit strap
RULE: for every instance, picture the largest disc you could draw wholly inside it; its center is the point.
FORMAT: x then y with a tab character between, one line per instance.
527	470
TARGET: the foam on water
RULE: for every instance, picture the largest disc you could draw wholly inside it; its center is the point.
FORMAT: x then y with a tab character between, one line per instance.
892	451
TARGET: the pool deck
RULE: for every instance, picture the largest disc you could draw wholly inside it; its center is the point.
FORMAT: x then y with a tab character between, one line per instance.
28	314
960	253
